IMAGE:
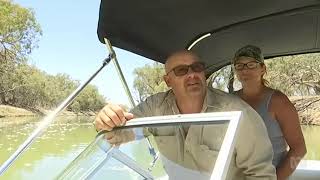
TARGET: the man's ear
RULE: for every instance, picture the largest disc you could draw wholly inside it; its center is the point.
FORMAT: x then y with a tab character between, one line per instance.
166	79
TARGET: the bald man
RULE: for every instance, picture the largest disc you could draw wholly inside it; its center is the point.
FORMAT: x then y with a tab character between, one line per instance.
195	147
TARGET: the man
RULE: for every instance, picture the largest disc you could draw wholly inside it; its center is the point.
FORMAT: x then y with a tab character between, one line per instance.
252	158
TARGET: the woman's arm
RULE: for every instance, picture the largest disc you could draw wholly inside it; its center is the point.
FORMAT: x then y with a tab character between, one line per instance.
288	119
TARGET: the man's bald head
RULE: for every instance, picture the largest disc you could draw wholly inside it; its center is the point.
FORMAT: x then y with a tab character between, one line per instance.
178	58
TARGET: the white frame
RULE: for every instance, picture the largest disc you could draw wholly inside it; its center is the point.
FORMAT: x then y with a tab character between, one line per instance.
223	159
227	148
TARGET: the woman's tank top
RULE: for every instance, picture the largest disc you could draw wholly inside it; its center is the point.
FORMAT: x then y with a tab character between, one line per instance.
278	142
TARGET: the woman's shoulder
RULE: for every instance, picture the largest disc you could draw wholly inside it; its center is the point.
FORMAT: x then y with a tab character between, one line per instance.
279	99
277	94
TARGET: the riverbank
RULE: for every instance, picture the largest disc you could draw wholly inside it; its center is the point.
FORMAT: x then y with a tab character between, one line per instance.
308	108
10	111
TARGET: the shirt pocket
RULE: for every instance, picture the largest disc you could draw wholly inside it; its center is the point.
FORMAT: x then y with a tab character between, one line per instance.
213	136
204	157
204	143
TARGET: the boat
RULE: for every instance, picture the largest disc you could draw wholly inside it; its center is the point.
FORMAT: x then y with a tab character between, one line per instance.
215	30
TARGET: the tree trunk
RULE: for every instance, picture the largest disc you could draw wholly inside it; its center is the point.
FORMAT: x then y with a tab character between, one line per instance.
230	83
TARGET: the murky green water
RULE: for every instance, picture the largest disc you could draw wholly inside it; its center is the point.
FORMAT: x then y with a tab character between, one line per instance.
49	154
65	139
311	136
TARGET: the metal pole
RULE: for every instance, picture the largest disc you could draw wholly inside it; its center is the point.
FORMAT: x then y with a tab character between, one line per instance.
123	81
125	85
49	119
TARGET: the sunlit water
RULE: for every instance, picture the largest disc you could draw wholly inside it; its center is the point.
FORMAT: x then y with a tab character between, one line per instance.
65	139
50	153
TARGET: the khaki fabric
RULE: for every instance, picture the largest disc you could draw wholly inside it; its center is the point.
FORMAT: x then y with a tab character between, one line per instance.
198	148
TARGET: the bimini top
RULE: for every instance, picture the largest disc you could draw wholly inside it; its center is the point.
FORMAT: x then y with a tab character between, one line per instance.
154	29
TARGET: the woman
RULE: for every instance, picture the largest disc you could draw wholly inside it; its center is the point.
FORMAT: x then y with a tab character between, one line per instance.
278	113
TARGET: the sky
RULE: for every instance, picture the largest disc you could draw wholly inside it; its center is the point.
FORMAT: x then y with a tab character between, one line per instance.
70	45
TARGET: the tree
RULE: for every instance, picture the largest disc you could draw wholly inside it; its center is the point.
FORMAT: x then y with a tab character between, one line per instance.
149	80
19	31
88	100
19	34
26	86
295	75
30	88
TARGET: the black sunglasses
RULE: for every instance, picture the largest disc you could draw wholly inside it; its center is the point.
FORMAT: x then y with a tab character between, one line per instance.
182	70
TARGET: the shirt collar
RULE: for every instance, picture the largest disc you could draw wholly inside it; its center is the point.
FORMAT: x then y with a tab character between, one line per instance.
174	107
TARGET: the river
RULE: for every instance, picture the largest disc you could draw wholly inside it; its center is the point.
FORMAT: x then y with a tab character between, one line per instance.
65	139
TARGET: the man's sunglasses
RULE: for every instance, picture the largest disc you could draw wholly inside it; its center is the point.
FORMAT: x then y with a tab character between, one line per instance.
182	70
249	65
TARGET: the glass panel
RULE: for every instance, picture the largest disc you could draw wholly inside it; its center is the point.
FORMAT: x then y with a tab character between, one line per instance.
113	169
145	154
180	150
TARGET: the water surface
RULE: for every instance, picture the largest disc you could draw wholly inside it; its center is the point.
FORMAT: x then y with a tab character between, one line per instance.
65	139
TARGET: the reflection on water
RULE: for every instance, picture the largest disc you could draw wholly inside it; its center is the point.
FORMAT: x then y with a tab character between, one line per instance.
50	153
67	137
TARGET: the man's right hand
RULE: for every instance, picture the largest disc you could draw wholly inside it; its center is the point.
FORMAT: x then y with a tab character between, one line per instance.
112	115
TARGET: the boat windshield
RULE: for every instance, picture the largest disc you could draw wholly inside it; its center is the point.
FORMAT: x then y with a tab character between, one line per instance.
165	147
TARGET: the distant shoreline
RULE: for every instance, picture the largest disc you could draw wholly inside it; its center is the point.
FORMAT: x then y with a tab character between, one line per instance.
308	108
7	111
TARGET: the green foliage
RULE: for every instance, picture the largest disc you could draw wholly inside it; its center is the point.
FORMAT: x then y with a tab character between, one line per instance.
31	88
23	85
19	31
149	80
295	75
89	99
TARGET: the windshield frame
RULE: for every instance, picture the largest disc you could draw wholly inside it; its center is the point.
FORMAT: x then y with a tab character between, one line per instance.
227	148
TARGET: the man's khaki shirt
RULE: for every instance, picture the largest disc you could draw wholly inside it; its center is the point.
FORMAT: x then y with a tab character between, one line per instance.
198	148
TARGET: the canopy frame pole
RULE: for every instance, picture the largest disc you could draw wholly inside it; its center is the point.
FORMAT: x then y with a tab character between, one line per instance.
120	74
129	95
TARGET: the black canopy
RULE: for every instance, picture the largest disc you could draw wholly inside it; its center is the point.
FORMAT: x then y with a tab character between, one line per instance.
155	28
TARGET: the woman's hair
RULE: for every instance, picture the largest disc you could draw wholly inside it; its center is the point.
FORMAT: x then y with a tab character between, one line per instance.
263	80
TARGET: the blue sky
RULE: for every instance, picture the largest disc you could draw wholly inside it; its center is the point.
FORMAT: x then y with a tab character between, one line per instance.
70	45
